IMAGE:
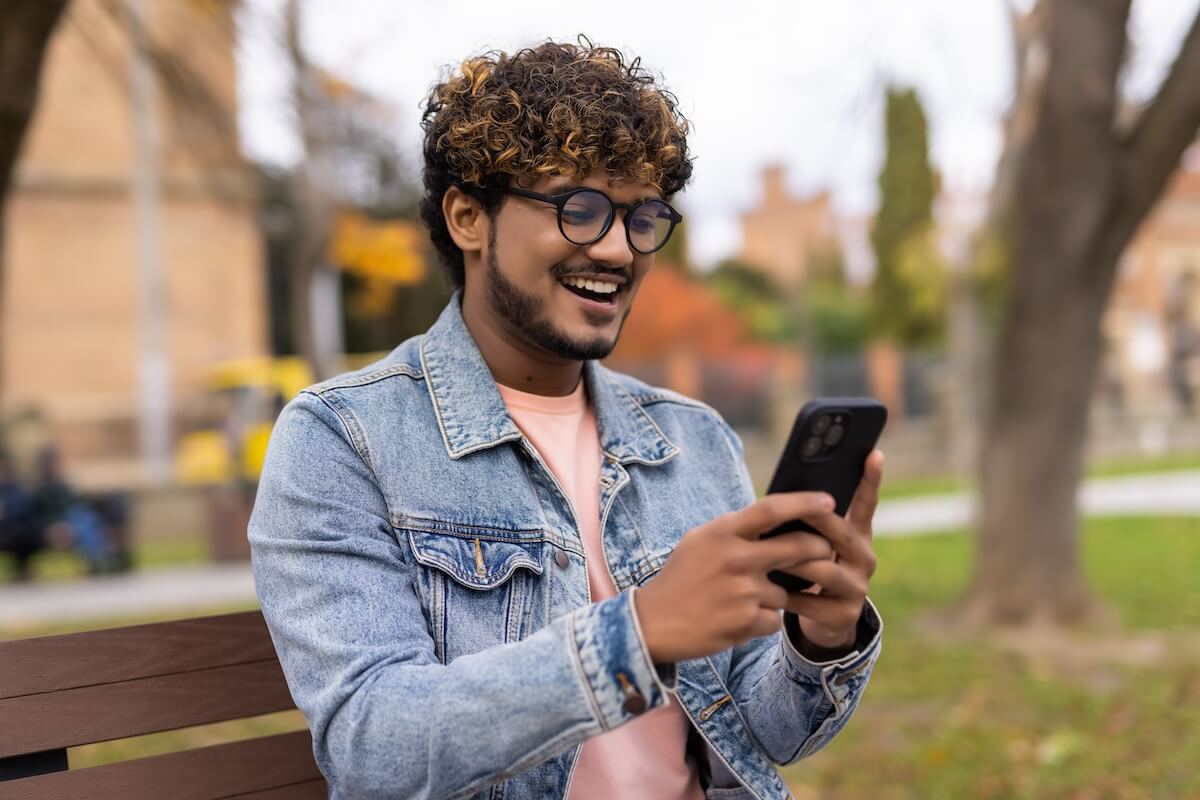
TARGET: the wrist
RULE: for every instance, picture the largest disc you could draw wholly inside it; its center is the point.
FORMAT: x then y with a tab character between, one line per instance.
816	643
640	602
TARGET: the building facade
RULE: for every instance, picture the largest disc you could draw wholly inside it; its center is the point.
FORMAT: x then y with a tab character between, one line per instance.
73	340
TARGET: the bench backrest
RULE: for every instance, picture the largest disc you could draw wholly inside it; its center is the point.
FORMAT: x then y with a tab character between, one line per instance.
62	691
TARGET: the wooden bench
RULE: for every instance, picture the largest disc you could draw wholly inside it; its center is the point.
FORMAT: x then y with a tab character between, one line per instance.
62	691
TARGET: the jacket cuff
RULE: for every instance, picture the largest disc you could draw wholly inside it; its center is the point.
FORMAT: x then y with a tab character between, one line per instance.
620	678
665	675
841	677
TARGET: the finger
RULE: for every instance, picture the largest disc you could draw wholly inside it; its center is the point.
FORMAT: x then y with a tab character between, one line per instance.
771	594
838	531
766	622
775	509
788	549
835	579
832	612
866	496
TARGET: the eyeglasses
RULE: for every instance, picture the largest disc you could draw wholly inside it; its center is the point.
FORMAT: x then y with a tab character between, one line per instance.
585	216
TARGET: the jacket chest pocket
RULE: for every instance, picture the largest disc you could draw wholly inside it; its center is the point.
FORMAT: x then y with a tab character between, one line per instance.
476	584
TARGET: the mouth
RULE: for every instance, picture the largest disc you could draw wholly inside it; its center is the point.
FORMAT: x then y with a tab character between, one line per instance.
595	292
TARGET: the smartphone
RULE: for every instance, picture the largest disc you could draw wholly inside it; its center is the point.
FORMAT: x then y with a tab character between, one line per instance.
826	452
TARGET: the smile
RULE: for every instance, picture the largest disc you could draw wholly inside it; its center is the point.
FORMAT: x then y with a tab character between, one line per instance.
599	291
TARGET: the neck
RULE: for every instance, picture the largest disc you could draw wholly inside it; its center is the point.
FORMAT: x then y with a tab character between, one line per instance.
514	362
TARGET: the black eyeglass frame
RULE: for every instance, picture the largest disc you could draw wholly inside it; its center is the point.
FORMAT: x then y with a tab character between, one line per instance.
559	201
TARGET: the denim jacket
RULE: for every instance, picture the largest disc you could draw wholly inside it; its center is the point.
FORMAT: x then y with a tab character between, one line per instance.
422	575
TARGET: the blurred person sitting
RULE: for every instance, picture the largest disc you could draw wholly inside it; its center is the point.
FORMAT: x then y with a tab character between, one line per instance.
20	535
66	519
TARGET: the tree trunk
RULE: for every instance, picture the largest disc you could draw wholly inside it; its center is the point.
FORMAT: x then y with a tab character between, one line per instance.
1082	189
24	33
314	207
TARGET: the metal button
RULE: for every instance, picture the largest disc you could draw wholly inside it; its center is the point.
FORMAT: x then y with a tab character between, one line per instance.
635	703
562	559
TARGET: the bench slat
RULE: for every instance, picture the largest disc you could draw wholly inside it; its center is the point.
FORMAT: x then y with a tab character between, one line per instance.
274	767
309	790
147	705
53	663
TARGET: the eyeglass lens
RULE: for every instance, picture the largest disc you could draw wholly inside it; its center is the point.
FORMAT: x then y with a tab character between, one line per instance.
586	214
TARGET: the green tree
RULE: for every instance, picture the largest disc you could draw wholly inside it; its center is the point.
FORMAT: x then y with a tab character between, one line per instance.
752	294
833	314
908	291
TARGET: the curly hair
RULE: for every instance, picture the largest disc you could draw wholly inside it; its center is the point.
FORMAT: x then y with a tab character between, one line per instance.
554	109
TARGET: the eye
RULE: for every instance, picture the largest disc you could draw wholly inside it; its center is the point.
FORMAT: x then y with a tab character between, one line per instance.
584	208
578	213
649	217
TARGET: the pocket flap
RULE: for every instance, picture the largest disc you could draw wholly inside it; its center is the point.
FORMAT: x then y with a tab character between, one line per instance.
474	561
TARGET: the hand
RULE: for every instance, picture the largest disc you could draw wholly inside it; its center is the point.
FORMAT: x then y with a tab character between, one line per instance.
713	591
829	613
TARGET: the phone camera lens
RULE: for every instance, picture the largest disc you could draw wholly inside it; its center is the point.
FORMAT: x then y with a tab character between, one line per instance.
822	424
834	435
812	446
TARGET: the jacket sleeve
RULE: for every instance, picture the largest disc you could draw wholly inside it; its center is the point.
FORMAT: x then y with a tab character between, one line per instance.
338	593
794	706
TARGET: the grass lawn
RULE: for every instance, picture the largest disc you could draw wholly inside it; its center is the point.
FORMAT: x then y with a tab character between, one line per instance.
895	487
55	565
971	719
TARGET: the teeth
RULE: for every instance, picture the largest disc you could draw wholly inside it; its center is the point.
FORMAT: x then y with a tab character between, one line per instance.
600	287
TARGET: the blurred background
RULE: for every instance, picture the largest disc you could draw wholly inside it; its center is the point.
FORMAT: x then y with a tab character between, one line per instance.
985	214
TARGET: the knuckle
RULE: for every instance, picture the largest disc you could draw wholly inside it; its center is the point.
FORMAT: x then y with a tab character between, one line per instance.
739	558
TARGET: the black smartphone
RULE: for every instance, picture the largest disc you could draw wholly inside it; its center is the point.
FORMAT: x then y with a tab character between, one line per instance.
826	452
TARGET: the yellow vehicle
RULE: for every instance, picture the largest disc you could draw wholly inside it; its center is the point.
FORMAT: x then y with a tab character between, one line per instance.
248	395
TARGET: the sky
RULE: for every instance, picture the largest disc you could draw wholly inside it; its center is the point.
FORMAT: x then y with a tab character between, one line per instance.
799	83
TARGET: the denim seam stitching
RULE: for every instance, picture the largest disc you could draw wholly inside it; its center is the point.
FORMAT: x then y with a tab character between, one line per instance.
581	673
364	459
737	708
364	380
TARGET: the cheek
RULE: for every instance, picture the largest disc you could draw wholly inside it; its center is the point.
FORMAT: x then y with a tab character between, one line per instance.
532	253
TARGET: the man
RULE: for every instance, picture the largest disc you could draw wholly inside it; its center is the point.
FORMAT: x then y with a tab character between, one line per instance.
494	568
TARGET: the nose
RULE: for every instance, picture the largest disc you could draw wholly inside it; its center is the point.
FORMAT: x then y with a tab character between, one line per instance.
612	248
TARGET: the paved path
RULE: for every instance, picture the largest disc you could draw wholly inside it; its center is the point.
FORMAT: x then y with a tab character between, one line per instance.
1171	493
187	588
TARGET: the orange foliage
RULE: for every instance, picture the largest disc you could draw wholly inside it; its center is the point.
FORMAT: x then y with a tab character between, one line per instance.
672	313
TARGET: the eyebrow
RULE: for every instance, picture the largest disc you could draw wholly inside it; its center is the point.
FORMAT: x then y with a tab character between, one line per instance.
572	184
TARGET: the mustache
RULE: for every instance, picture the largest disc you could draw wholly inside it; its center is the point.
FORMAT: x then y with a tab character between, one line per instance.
591	269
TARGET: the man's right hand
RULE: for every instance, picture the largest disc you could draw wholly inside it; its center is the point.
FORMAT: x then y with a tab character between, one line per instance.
713	591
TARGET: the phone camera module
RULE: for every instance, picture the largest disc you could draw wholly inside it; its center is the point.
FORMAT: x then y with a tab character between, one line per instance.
822	424
834	435
812	446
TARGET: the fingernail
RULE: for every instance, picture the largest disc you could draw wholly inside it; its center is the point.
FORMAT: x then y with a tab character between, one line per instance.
827	502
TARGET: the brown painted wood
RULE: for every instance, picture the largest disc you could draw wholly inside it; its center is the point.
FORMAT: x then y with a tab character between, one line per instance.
52	663
147	705
267	768
309	790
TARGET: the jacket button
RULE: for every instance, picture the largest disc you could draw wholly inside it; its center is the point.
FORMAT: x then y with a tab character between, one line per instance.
562	559
635	703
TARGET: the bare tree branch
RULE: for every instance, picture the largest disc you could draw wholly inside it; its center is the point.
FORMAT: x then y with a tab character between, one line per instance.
1168	125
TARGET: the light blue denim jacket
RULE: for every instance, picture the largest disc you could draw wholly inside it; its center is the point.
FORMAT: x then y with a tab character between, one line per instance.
422	575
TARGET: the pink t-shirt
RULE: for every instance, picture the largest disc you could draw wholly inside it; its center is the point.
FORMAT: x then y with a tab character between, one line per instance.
645	757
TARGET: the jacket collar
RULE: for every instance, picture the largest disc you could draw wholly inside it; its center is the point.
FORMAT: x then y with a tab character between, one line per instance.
472	415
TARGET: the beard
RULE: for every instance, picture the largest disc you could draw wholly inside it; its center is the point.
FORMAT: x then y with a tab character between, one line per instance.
526	314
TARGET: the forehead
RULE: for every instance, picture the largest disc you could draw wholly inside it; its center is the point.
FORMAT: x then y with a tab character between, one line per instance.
615	186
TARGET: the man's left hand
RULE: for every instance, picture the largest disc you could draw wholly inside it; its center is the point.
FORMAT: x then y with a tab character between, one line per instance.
829	611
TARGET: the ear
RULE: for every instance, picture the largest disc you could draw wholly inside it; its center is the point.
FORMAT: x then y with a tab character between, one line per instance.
465	219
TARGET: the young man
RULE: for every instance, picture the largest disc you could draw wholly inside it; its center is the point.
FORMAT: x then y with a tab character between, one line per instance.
493	568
